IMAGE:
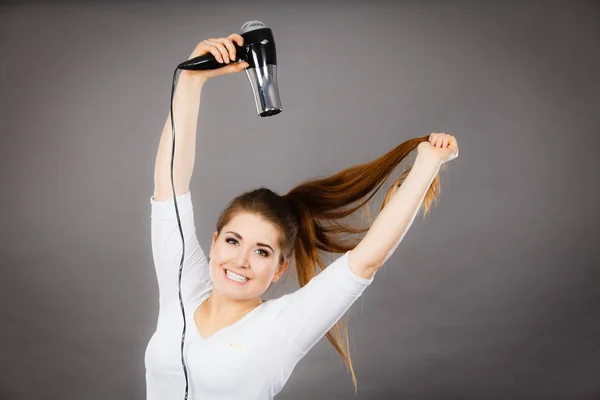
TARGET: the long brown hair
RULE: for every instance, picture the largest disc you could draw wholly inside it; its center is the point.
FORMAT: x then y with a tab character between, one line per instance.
307	218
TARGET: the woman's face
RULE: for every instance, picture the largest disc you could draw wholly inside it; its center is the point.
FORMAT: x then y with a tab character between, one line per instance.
247	246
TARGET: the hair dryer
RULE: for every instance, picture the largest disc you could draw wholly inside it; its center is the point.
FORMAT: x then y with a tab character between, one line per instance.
259	52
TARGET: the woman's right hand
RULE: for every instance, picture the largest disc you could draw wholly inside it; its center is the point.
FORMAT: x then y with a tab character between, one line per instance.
224	51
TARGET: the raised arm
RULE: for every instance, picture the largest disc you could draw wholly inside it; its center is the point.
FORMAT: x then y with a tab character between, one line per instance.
167	245
186	105
397	216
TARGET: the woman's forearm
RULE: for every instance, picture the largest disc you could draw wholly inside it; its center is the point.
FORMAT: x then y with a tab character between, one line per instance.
186	105
392	223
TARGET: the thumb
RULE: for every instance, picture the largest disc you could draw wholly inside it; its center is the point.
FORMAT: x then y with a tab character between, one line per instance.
243	65
237	67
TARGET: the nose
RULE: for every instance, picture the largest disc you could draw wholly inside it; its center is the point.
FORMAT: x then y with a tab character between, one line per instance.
241	259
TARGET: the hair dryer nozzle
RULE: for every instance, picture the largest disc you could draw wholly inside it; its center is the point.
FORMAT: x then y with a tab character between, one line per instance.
263	80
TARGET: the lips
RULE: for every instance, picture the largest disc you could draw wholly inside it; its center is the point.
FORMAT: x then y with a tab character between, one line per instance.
231	280
235	272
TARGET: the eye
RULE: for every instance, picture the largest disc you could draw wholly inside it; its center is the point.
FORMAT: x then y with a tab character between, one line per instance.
264	253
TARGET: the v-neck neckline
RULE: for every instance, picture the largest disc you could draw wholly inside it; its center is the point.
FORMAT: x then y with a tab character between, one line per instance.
232	325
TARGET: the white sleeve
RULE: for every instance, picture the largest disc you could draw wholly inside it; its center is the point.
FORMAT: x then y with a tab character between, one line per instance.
312	310
167	249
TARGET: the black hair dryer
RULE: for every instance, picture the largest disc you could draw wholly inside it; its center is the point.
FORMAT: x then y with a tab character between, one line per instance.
259	52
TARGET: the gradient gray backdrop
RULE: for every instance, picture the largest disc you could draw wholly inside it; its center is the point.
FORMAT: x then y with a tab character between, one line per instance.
494	295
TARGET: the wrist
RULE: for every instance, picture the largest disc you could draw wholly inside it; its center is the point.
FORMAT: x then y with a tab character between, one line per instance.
192	78
428	160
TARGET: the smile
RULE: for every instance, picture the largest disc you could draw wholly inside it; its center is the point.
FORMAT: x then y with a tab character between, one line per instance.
235	278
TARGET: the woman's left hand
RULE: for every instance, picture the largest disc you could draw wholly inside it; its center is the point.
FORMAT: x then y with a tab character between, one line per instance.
440	146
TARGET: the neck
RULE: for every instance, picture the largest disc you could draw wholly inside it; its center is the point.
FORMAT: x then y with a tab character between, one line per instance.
219	306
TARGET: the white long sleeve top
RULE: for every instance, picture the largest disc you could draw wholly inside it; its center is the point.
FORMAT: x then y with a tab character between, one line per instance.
251	359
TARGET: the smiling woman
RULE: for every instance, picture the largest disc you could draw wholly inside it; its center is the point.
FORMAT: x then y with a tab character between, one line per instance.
244	347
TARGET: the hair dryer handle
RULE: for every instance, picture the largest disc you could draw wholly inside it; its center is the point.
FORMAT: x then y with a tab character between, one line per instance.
208	61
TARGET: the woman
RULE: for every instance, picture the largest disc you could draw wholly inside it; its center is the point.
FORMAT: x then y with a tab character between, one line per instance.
239	346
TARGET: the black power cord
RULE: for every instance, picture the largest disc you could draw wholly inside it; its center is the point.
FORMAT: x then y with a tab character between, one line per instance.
182	238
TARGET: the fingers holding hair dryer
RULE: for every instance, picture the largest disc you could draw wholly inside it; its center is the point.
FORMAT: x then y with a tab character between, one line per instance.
224	51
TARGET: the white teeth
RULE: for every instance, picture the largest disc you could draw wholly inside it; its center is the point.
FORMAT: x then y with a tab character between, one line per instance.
236	277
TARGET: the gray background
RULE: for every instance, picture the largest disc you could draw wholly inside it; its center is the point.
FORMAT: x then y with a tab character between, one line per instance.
494	295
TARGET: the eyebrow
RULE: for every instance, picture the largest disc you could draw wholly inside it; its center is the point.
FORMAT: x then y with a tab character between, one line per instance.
237	235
